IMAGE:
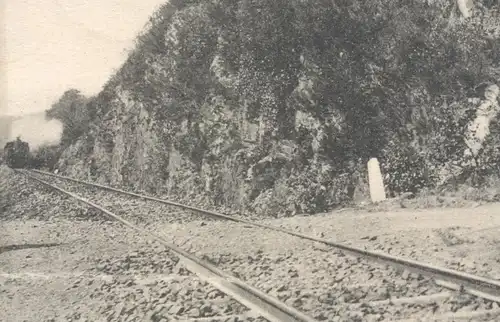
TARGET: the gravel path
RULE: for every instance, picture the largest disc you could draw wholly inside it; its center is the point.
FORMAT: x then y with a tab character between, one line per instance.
324	284
465	239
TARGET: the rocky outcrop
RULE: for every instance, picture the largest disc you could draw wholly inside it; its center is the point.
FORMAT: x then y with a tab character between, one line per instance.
253	105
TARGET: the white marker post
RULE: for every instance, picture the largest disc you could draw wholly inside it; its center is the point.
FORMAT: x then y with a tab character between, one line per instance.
464	6
377	190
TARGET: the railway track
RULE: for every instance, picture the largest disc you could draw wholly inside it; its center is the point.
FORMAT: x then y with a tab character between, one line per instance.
257	301
357	284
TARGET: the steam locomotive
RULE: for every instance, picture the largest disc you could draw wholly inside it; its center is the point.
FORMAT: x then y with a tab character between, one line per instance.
16	154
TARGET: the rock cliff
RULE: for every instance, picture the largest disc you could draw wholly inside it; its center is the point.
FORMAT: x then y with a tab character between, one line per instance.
275	106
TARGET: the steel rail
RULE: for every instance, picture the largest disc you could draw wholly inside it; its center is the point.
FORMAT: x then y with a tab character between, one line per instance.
263	304
448	278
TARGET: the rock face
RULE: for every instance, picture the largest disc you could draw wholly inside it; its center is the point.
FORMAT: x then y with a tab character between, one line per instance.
246	104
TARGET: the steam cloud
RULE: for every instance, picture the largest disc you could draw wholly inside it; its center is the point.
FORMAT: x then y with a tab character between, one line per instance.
36	130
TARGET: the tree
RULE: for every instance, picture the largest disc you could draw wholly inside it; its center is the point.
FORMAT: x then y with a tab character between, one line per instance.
71	109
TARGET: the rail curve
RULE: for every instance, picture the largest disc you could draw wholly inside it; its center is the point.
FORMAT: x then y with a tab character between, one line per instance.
476	286
258	301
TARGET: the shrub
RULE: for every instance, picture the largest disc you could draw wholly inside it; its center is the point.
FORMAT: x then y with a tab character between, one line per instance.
46	156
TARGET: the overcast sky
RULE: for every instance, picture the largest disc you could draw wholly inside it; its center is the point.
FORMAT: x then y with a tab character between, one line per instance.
54	45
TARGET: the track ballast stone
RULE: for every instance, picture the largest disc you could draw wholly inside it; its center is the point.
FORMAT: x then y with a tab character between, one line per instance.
97	271
324	284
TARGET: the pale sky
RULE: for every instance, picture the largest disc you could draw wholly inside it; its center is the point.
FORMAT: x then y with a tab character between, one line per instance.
54	45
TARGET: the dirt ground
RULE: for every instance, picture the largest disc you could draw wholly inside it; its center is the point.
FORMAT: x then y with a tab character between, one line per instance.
466	239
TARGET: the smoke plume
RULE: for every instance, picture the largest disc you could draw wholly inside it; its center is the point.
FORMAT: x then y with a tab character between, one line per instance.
36	130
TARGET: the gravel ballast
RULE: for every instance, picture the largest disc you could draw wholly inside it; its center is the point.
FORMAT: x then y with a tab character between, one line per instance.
63	262
325	284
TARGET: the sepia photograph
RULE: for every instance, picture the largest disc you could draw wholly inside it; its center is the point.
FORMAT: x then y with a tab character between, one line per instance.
249	160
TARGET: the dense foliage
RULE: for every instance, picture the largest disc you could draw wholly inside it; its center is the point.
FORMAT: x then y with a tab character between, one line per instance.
388	79
72	109
45	156
396	70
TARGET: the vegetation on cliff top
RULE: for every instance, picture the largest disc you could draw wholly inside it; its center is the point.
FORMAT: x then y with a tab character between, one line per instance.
387	79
